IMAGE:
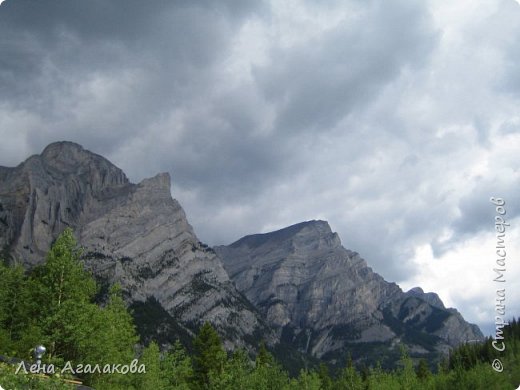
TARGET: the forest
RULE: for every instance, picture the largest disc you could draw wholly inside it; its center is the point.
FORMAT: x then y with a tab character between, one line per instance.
57	304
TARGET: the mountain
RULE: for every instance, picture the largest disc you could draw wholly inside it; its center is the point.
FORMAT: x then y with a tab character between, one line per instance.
297	288
325	299
134	234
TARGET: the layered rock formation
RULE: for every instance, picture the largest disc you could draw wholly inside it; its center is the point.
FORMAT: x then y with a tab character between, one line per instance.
134	234
298	286
325	298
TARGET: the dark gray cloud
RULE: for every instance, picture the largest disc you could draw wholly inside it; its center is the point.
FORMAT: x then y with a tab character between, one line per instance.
394	120
63	57
320	81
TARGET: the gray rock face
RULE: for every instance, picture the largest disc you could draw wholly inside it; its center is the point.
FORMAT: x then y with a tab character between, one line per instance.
135	234
314	293
64	186
431	298
325	297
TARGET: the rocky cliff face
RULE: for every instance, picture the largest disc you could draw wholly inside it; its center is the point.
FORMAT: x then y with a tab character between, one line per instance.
64	186
135	234
297	286
325	298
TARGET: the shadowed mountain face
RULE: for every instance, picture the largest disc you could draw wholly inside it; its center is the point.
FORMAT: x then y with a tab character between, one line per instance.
135	234
326	299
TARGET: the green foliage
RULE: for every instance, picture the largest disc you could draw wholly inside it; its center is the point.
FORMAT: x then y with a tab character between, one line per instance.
423	371
209	357
264	357
349	379
406	374
13	315
378	379
110	339
153	378
324	375
235	374
53	306
307	380
9	379
177	368
61	291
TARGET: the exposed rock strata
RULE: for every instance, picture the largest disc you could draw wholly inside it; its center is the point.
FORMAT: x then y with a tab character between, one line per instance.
309	286
134	234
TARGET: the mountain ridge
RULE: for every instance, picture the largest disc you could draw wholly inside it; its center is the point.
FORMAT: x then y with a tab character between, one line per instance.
133	234
316	292
295	287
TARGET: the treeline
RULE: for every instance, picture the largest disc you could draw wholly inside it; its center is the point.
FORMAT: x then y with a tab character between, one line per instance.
54	305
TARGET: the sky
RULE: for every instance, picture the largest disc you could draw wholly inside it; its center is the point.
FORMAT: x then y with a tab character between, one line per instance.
394	120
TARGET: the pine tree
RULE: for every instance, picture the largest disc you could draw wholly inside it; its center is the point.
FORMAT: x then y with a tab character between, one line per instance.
324	375
264	358
13	308
423	371
110	339
153	378
350	379
307	380
209	356
407	376
177	368
235	374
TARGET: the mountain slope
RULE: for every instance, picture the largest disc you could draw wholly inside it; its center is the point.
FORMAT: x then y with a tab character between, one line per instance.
326	299
134	234
298	287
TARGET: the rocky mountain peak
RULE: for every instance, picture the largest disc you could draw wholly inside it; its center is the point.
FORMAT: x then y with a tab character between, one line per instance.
430	297
160	183
71	158
66	151
315	232
325	299
133	234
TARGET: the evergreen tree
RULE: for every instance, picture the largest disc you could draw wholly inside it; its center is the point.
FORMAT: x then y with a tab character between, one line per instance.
209	357
110	338
268	377
264	357
307	380
153	378
13	313
407	376
235	374
423	371
324	375
350	379
177	368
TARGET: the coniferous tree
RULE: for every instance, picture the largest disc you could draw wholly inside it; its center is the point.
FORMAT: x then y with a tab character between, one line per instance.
349	378
110	339
235	374
264	358
13	314
177	368
324	375
407	376
209	356
423	371
153	378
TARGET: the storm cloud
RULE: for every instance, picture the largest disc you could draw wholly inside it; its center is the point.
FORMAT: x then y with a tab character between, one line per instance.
393	120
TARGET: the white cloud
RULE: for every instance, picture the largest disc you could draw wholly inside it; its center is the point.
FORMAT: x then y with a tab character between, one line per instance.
463	277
